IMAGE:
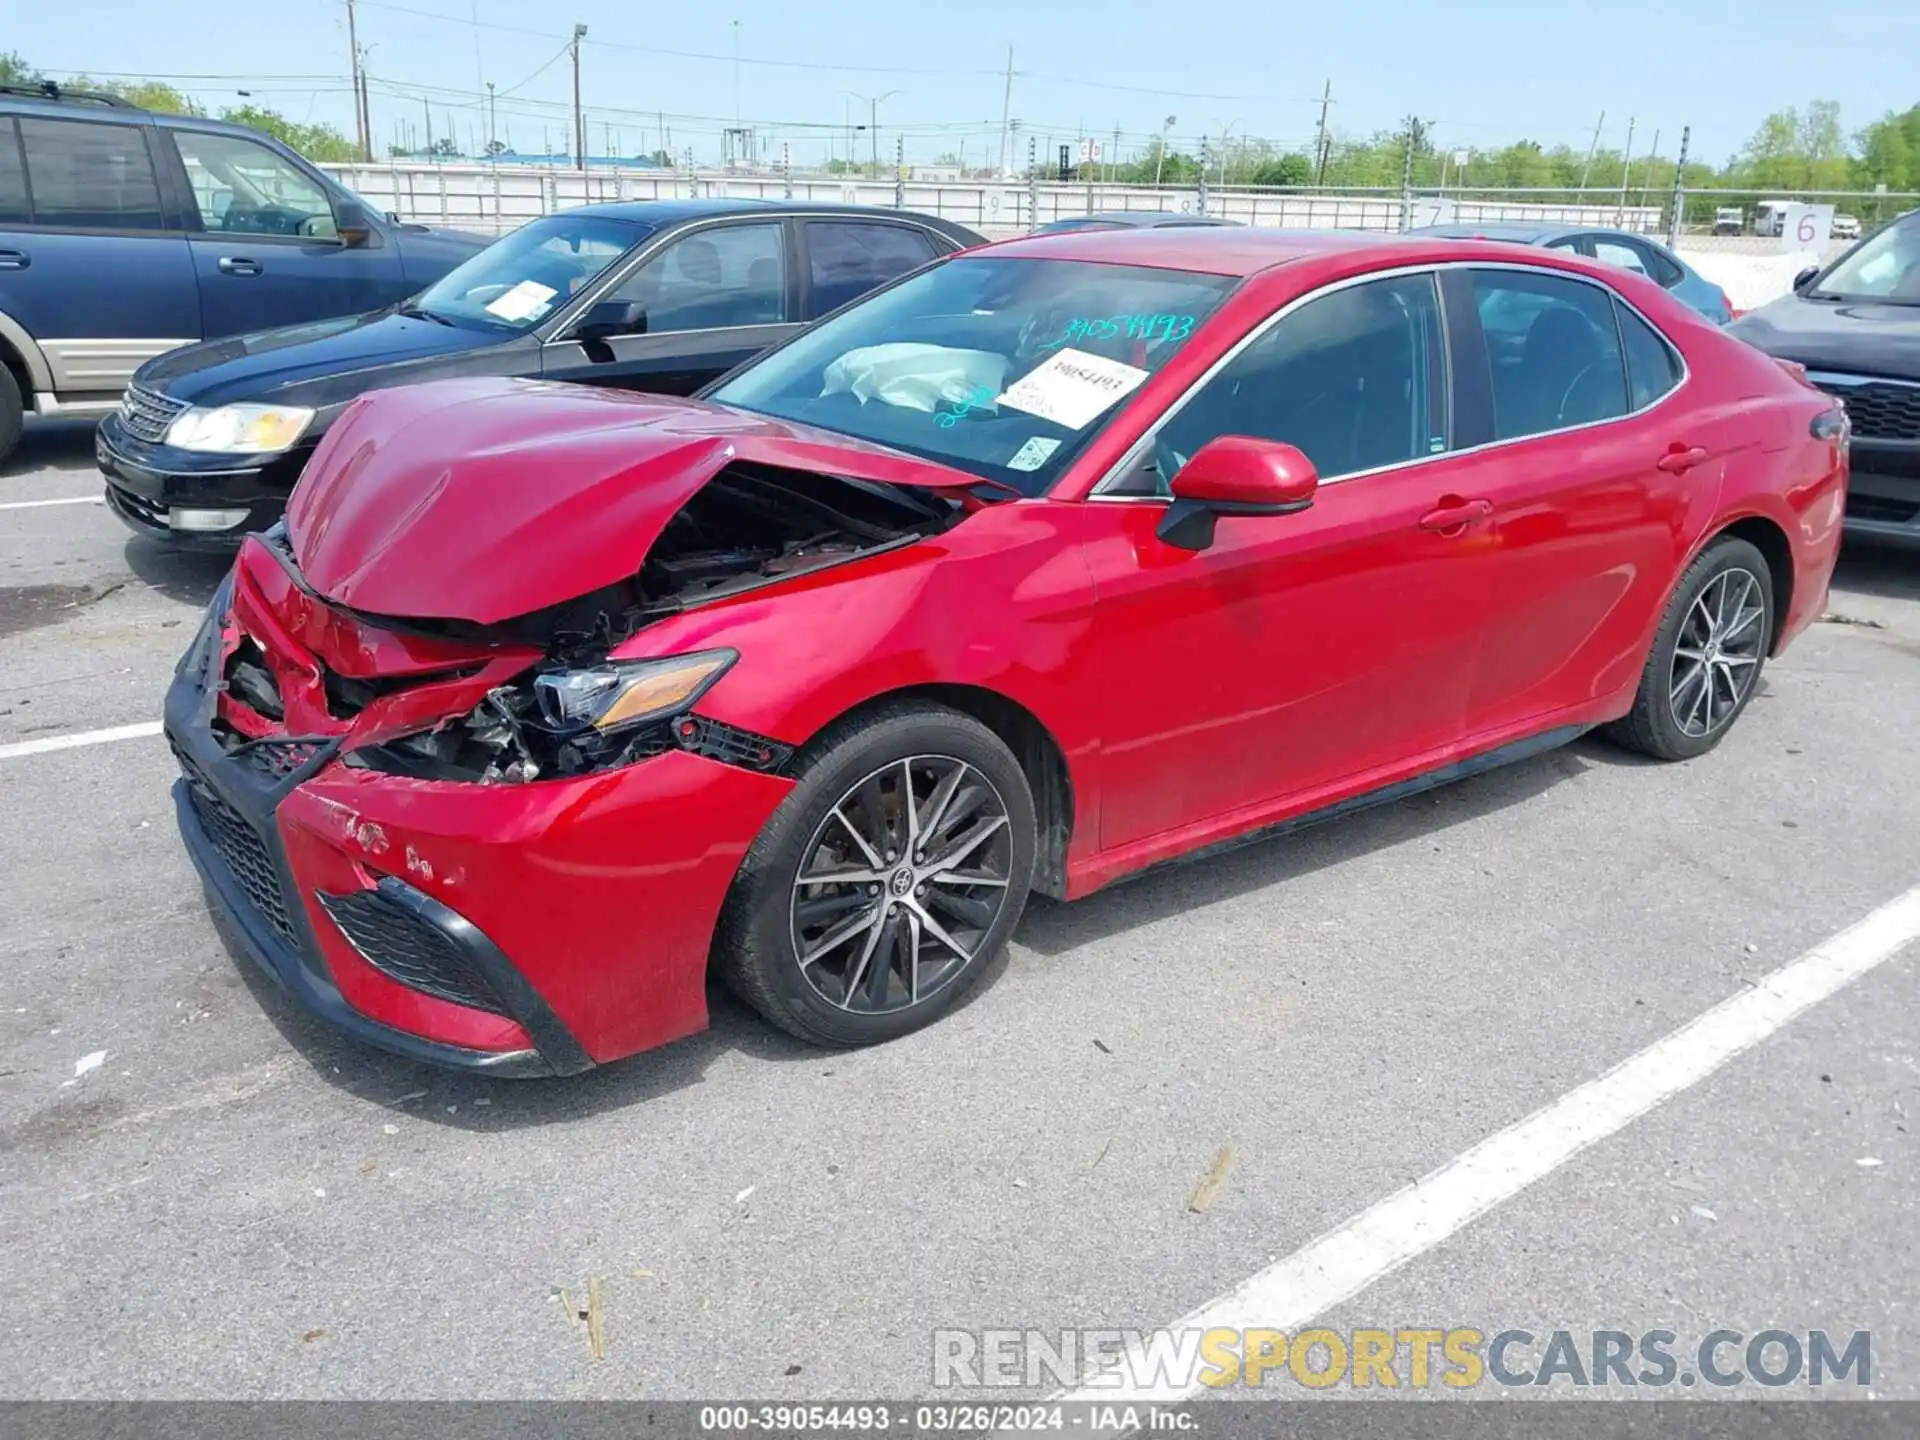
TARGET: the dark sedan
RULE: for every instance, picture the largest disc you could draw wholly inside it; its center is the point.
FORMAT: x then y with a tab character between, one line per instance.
1855	326
1129	220
1621	248
661	296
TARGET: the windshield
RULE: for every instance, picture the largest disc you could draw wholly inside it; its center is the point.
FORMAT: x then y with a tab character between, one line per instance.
1884	267
1005	368
518	281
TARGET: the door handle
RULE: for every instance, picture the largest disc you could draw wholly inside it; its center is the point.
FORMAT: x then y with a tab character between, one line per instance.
1681	458
14	259
238	265
1456	515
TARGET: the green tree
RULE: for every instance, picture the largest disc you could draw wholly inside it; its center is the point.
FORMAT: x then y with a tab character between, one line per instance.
16	71
152	95
322	143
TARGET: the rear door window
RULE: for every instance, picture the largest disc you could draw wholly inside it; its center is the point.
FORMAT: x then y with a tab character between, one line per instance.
90	175
850	258
1554	351
1622	253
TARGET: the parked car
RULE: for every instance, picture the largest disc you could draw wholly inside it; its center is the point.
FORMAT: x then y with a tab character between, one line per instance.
1855	326
1053	561
124	234
1845	227
1610	247
661	295
1129	220
1729	220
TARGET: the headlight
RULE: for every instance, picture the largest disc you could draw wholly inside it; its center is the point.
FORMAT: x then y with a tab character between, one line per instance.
565	720
621	693
239	429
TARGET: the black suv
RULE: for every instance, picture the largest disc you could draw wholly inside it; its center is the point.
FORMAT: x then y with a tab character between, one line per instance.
1856	327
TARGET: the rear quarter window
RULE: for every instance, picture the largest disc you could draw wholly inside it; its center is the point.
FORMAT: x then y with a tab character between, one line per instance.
1653	365
91	175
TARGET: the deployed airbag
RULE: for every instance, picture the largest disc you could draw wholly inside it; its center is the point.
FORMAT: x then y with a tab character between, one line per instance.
916	376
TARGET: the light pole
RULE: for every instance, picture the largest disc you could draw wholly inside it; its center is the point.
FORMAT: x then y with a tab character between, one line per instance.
873	120
736	72
1160	162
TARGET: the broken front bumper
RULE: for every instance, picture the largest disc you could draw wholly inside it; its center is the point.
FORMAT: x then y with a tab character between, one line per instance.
513	929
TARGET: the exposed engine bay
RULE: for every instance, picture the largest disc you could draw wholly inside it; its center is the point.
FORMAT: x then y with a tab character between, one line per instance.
749	527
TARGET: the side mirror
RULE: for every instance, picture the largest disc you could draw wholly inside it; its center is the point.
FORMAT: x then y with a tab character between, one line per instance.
1235	475
353	224
1805	278
607	318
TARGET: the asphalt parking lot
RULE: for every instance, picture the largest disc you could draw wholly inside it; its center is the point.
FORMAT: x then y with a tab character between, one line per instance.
231	1203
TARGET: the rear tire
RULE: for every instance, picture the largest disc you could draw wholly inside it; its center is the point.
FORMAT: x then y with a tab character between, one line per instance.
1706	658
932	889
12	413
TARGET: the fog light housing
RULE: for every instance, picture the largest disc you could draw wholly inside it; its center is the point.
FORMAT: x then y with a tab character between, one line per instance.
202	520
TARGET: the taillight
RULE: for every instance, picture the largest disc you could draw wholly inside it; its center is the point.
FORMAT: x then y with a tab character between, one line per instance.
1831	425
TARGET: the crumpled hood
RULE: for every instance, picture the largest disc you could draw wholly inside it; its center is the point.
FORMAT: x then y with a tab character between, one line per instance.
487	499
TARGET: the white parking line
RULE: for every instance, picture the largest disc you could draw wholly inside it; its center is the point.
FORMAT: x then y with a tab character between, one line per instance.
1291	1292
18	748
37	504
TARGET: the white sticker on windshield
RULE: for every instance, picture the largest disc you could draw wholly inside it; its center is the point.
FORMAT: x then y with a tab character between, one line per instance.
1072	388
524	301
1033	454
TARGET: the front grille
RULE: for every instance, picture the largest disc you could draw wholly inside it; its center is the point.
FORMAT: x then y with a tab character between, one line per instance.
1882	409
240	849
404	947
146	414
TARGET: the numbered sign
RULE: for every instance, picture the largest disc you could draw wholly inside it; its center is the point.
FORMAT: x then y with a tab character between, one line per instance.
1432	212
1805	227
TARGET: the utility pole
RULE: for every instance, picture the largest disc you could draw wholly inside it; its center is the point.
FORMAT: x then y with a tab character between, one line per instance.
873	134
579	116
426	111
490	115
899	172
1113	160
1679	189
1320	144
1626	169
1406	183
362	131
1006	112
1200	205
1584	169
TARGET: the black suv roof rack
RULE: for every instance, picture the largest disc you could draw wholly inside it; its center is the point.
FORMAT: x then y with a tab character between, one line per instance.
49	90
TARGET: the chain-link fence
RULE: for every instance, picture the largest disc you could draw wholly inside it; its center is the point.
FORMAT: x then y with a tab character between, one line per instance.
1738	239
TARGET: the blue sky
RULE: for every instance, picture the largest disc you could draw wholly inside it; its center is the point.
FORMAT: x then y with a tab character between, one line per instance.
1484	71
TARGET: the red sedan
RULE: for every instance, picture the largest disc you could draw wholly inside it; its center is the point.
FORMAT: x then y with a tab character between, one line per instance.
1053	561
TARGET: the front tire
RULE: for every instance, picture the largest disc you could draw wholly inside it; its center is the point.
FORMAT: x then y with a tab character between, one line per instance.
881	888
1706	658
12	413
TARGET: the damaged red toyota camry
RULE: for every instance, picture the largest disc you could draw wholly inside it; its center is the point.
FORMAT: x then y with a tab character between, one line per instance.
1051	562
